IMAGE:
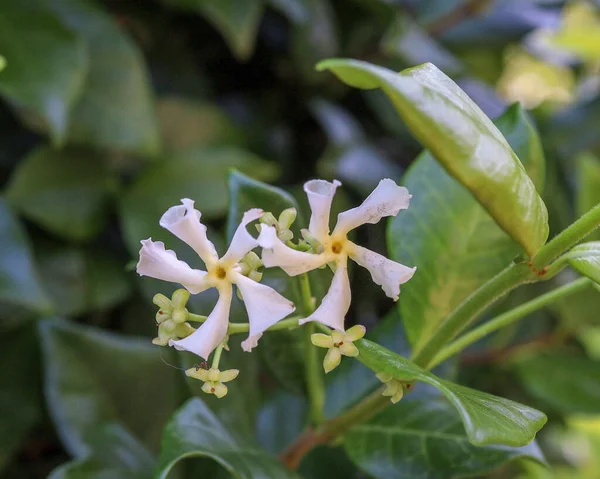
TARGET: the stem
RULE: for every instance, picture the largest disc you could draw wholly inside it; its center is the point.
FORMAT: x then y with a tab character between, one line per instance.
217	355
461	317
291	322
314	370
196	317
509	317
567	238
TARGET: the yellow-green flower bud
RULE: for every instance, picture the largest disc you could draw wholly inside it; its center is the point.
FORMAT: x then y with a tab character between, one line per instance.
339	344
268	219
285	235
255	276
287	218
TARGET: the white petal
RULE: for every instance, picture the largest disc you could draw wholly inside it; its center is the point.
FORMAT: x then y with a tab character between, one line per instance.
264	305
320	194
242	241
276	254
156	262
212	332
336	302
386	273
184	222
387	199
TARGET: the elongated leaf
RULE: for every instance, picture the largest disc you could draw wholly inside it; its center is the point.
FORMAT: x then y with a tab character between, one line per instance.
47	69
116	108
585	258
199	174
19	281
462	139
588	187
194	431
424	439
568	383
450	237
237	20
120	381
66	192
487	419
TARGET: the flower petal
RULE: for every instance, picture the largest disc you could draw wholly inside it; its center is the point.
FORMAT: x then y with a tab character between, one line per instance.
184	222
197	373
320	195
386	273
387	199
336	302
212	332
264	305
355	333
228	375
242	241
332	359
321	340
220	390
276	253
349	349
156	262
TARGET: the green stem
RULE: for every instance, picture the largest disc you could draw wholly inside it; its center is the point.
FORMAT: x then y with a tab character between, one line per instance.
198	318
567	238
314	370
291	322
509	317
461	317
217	355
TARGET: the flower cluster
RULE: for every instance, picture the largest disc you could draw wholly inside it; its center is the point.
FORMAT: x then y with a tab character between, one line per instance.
240	264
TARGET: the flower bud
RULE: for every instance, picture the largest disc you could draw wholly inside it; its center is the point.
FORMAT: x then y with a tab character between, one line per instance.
268	219
287	218
255	276
285	235
180	298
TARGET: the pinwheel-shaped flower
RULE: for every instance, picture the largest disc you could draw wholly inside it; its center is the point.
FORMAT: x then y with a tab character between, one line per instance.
264	305
387	199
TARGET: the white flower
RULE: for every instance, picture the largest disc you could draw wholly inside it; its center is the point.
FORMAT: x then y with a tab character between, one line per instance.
387	199
264	305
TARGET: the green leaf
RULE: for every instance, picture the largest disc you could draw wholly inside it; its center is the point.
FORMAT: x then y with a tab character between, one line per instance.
116	454
66	192
46	69
116	107
424	438
585	258
19	281
194	431
462	139
120	380
566	382
281	420
21	394
587	194
79	281
237	20
450	237
487	419
199	174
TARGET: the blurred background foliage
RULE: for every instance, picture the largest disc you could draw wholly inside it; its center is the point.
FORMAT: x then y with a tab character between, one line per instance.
112	111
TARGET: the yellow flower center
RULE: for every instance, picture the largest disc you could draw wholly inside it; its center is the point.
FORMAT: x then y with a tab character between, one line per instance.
220	272
337	247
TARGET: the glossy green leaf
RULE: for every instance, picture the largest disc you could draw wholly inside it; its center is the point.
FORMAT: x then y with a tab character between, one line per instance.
199	174
116	455
115	109
588	187
487	419
281	419
450	237
237	20
47	69
120	380
425	439
585	258
462	139
66	192
20	389
194	431
20	285
80	281
566	382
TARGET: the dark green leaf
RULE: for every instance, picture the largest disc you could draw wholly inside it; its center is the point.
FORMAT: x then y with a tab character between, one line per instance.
199	174
585	258
19	282
463	139
120	381
487	419
116	108
566	382
20	389
280	421
66	192
237	20
80	281
424	439
450	237
194	431
47	64
588	187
